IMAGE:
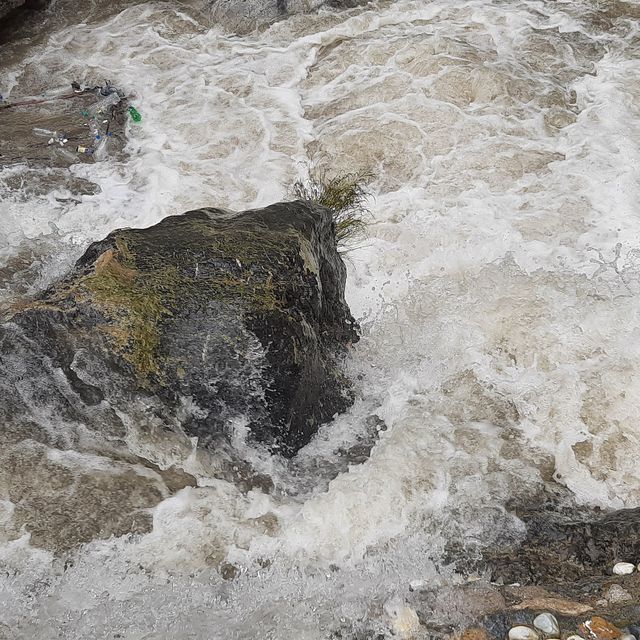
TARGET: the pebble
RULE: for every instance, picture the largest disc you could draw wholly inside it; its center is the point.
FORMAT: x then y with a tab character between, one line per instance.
548	624
575	637
623	568
522	633
616	594
627	636
474	633
599	629
635	630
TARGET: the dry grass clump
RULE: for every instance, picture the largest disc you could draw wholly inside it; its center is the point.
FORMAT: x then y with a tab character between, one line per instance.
345	195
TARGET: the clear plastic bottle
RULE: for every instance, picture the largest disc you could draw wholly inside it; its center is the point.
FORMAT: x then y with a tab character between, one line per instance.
44	133
102	106
95	130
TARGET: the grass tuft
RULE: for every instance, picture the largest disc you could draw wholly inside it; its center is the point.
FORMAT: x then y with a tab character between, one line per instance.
347	196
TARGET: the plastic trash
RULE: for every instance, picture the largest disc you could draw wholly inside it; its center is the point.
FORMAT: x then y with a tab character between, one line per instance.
67	155
100	149
95	130
135	116
44	133
53	136
102	106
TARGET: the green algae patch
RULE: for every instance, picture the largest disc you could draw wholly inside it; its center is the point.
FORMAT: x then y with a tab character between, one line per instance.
135	305
142	281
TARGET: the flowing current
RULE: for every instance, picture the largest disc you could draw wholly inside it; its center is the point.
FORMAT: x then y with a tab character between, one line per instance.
497	289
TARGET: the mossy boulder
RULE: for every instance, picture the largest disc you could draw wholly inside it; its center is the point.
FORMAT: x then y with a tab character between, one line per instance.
241	316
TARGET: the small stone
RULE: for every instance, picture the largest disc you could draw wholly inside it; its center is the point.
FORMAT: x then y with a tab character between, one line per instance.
616	594
417	585
522	633
575	637
228	571
474	633
548	624
627	636
635	630
599	629
623	568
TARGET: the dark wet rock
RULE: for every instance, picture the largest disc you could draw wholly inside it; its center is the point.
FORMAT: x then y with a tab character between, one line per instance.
241	315
204	323
563	565
13	14
7	6
10	8
568	547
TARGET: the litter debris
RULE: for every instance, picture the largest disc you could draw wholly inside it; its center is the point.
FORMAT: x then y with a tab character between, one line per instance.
92	136
67	155
53	136
135	116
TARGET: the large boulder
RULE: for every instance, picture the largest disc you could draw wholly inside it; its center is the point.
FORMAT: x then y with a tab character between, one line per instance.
241	317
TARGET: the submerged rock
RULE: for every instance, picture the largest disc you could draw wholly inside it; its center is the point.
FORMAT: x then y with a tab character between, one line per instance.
240	315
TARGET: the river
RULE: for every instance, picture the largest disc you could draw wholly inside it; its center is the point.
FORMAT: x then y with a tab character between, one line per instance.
496	285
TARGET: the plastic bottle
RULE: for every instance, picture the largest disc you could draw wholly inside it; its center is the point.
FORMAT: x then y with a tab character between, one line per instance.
100	149
67	155
44	133
135	116
102	105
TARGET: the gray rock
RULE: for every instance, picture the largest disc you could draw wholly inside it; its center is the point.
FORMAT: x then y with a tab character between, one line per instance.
615	594
241	315
547	624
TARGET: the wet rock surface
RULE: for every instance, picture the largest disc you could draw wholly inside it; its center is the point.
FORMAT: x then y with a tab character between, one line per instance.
564	567
562	548
243	314
206	323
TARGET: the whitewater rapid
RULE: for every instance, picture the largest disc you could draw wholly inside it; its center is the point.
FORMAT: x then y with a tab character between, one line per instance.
497	289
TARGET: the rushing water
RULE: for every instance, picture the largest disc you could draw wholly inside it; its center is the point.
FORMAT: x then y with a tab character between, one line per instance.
497	288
